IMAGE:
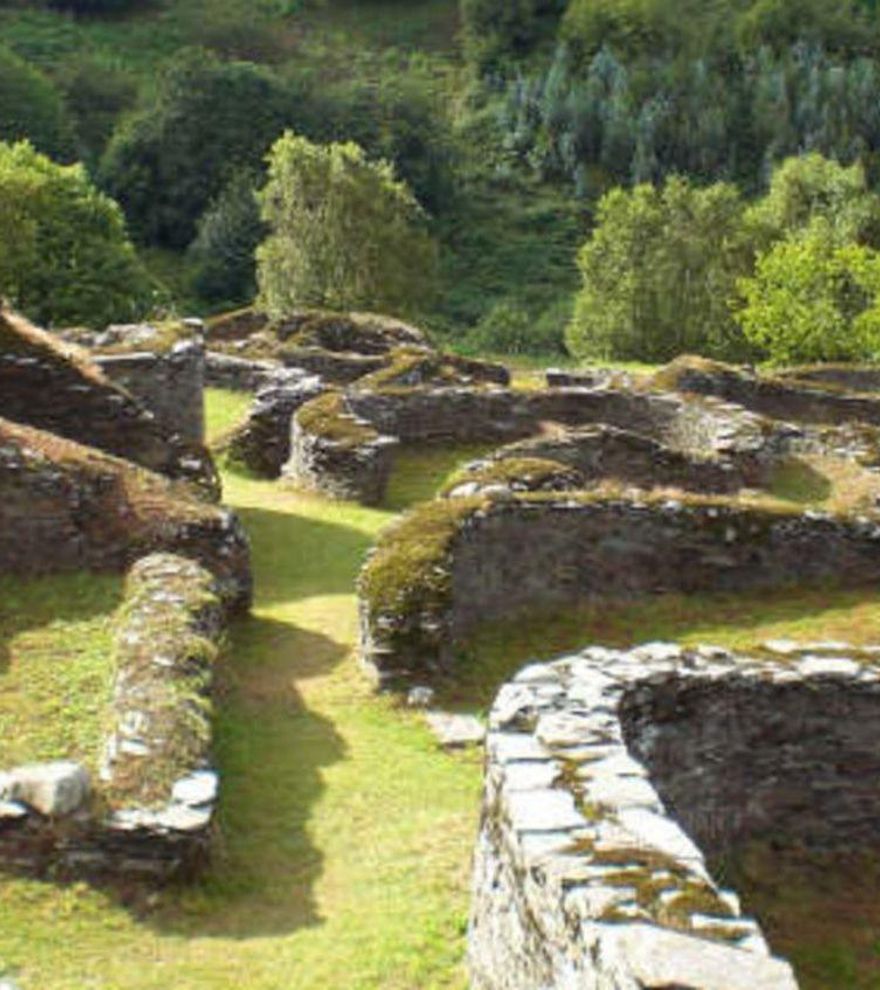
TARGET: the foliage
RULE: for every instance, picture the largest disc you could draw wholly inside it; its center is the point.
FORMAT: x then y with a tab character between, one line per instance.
69	261
223	251
344	233
810	187
617	120
207	120
498	30
96	6
812	299
31	108
96	93
511	328
658	272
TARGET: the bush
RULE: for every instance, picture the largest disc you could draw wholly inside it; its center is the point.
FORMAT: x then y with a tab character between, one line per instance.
208	120
223	252
96	94
344	233
812	299
31	108
658	272
510	328
69	261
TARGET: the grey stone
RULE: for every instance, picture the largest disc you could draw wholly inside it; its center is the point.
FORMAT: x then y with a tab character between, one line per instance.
53	789
198	788
455	731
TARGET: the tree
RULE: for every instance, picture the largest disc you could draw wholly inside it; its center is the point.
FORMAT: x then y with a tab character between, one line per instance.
31	108
69	261
209	119
223	251
803	189
344	233
813	299
658	272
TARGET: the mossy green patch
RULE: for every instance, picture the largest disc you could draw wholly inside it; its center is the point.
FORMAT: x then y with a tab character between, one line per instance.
328	418
523	473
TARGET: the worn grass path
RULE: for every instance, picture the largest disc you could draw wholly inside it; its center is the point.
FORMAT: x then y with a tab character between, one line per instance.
346	836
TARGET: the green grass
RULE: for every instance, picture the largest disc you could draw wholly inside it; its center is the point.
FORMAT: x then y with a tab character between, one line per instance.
55	667
346	835
225	411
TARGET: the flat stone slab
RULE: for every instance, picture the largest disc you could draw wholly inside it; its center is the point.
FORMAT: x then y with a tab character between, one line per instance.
456	731
53	789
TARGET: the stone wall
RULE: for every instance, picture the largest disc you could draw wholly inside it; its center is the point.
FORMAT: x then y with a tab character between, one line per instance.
66	507
236	373
334	452
56	387
170	384
496	559
776	398
601	453
851	377
611	775
262	442
152	818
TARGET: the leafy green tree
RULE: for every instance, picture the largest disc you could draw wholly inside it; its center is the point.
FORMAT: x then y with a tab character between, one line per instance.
658	272
809	187
344	233
497	30
208	120
813	299
780	23
31	108
223	251
70	261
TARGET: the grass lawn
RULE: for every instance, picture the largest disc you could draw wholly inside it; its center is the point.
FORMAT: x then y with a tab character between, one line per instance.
55	666
346	835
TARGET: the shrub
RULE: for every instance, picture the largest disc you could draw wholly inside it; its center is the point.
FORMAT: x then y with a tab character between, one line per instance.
31	108
69	261
344	233
812	299
658	272
223	252
208	120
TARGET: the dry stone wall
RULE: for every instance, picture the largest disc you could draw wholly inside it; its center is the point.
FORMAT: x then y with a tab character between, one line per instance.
151	819
496	559
613	778
52	386
170	384
66	507
776	398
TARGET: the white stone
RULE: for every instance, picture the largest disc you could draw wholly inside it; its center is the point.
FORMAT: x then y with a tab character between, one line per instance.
420	697
543	811
783	646
11	810
563	729
817	666
529	776
456	731
537	673
510	747
181	818
656	652
58	788
513	701
659	957
653	831
623	792
198	788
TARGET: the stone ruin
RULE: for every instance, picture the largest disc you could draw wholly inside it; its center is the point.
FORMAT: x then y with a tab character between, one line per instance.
614	779
94	478
613	776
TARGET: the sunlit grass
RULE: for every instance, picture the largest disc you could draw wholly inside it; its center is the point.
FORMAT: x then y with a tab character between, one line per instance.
343	860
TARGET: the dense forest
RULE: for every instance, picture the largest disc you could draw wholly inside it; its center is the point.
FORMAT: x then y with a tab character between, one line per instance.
630	177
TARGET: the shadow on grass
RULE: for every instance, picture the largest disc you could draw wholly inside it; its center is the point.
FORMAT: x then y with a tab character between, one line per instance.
496	651
272	750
